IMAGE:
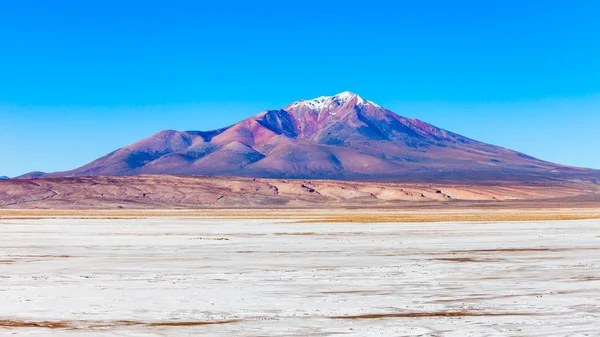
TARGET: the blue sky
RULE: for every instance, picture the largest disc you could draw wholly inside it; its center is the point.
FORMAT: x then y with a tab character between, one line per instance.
79	79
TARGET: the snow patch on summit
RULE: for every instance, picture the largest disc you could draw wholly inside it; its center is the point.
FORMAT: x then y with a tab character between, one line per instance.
329	103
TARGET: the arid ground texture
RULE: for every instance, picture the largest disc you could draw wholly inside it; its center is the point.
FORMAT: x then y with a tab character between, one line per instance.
195	192
125	274
158	255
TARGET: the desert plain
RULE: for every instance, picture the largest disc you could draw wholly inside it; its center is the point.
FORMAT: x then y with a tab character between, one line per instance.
300	272
180	256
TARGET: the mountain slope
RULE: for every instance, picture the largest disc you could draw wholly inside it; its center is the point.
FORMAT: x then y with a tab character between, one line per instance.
330	137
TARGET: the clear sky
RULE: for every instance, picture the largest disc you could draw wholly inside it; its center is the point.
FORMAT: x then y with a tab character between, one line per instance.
79	79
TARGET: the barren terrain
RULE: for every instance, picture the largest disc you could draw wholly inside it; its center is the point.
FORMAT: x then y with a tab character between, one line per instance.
186	192
174	276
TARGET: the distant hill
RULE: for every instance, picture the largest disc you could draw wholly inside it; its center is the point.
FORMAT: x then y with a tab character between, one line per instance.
331	137
34	174
3	177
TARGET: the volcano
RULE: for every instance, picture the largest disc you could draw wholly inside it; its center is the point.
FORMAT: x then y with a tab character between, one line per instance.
342	137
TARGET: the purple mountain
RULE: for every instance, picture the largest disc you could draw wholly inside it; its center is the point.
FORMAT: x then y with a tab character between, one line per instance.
334	137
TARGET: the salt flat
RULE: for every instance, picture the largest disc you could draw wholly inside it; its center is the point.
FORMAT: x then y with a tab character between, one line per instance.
253	277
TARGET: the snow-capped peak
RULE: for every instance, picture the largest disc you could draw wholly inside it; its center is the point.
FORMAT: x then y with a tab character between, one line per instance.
346	96
328	103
